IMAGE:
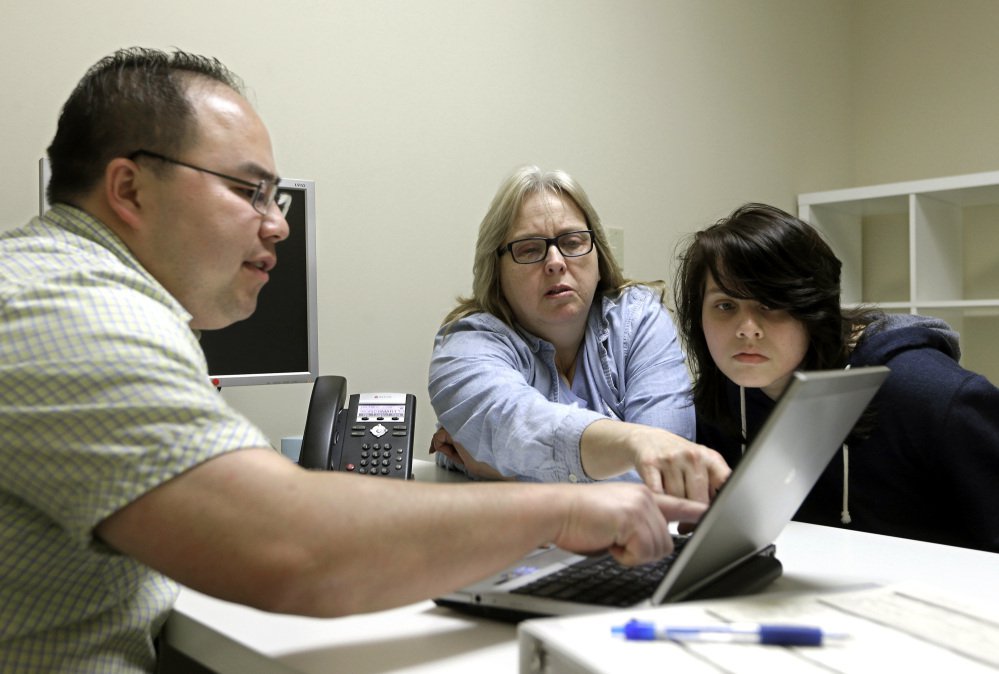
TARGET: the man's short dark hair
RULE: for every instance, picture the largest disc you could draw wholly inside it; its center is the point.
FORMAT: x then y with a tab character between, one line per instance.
135	98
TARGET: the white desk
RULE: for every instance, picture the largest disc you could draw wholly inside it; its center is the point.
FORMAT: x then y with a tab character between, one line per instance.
422	638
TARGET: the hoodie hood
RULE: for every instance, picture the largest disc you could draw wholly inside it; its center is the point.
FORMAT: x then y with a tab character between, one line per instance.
886	337
882	340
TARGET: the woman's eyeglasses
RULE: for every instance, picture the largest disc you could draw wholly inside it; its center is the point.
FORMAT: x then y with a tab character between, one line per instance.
535	248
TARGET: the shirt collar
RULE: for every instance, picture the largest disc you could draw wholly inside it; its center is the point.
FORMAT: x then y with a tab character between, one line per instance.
80	223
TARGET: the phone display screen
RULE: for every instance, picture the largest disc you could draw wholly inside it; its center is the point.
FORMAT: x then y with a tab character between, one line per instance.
381	412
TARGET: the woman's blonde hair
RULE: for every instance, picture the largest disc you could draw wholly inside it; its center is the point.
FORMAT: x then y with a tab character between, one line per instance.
487	294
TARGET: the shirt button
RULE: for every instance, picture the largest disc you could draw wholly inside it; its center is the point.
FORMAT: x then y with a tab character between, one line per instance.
573	478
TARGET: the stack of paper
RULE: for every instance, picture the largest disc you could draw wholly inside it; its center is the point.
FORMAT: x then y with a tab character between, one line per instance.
891	628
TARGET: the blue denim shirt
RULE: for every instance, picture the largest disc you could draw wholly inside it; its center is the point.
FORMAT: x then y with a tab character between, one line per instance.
497	391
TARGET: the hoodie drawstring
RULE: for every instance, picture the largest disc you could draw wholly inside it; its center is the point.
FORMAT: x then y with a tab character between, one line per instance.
844	515
742	410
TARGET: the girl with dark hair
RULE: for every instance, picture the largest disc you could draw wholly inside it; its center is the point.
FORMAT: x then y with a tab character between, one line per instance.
758	297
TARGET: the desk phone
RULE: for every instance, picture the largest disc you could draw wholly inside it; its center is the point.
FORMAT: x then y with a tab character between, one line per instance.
372	435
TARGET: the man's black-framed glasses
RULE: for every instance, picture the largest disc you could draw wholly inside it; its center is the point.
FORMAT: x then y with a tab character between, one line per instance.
535	248
264	192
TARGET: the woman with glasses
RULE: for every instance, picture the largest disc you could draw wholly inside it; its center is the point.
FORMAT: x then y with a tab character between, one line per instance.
557	368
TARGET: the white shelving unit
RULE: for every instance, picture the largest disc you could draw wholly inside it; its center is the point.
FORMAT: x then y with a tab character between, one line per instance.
926	246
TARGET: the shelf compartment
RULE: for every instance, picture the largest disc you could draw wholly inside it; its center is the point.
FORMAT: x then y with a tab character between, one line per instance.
871	239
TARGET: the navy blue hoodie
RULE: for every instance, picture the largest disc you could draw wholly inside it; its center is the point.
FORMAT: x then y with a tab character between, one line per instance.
929	466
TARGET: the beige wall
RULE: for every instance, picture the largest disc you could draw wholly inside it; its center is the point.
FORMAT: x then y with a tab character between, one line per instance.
925	89
926	95
407	113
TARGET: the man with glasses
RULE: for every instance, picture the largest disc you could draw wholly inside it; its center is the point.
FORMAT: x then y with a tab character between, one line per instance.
260	193
558	368
122	472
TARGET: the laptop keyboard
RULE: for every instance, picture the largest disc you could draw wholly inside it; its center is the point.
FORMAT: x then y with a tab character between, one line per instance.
602	581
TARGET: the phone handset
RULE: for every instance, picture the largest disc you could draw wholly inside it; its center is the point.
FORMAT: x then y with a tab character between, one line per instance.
372	436
325	407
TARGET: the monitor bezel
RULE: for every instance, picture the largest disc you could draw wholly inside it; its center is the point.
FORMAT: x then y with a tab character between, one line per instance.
308	189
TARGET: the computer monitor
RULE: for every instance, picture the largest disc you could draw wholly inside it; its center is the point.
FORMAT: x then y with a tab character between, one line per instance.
279	343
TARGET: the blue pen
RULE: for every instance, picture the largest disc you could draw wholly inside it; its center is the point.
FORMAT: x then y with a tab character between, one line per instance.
750	633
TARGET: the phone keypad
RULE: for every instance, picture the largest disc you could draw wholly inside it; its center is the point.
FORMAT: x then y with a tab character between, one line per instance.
378	458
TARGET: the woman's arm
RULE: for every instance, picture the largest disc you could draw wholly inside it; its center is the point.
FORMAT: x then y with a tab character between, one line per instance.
666	462
643	349
491	391
653	401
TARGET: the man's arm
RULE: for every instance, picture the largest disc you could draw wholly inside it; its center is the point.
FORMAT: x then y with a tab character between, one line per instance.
254	528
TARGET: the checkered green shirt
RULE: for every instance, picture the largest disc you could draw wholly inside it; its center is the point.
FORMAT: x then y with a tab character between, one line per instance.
104	395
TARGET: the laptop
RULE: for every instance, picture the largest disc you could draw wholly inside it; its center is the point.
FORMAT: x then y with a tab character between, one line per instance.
731	549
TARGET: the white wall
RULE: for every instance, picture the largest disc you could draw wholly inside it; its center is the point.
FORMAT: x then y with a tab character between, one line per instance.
407	114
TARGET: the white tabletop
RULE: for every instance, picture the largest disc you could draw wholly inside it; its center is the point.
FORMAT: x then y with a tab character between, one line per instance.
423	638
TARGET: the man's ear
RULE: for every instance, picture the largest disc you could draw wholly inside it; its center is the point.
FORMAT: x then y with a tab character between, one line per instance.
124	189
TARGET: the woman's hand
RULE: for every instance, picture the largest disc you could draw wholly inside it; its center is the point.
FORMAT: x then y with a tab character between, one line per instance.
666	462
671	464
443	443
